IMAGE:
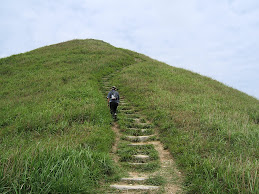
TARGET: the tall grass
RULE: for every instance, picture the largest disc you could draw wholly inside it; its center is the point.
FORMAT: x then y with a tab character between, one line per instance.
55	126
57	170
211	129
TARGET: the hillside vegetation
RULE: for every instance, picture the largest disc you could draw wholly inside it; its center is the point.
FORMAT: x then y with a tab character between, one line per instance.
55	126
211	130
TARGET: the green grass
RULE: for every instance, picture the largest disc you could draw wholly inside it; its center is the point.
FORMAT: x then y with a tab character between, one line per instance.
211	129
151	166
55	131
126	152
156	180
60	170
55	125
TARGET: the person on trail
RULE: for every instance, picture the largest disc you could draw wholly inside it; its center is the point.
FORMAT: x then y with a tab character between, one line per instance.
113	101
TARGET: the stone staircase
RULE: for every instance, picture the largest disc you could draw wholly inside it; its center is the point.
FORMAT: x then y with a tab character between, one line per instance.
137	136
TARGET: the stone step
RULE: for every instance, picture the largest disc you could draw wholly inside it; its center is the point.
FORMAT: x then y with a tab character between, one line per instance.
138	132
138	120
134	179
126	108
132	116
140	123
129	112
136	129
141	158
134	187
139	144
139	138
137	164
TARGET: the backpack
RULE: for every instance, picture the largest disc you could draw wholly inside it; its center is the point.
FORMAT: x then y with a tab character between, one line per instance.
114	96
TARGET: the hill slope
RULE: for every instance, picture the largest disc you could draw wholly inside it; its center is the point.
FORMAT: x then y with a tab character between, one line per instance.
55	126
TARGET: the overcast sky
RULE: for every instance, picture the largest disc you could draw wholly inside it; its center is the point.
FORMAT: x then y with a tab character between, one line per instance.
216	38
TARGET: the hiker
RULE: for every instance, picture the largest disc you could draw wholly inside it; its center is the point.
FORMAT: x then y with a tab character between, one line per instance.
113	101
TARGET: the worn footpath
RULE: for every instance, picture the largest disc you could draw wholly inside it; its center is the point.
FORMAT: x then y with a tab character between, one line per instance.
150	168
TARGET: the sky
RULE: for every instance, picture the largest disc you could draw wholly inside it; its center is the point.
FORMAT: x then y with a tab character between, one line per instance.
216	38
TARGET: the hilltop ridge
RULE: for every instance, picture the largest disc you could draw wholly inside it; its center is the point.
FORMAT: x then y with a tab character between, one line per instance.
55	126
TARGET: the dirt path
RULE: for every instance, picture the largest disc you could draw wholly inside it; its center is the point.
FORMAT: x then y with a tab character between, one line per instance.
151	168
115	128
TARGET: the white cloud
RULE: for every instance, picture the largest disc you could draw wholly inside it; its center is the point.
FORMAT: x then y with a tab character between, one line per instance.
215	38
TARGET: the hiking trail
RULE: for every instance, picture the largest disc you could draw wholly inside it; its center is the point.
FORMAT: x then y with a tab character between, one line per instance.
137	149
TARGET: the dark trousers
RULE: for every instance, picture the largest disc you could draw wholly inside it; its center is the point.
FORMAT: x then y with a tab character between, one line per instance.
113	107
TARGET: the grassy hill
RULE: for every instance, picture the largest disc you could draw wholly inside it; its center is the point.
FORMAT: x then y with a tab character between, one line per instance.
55	126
